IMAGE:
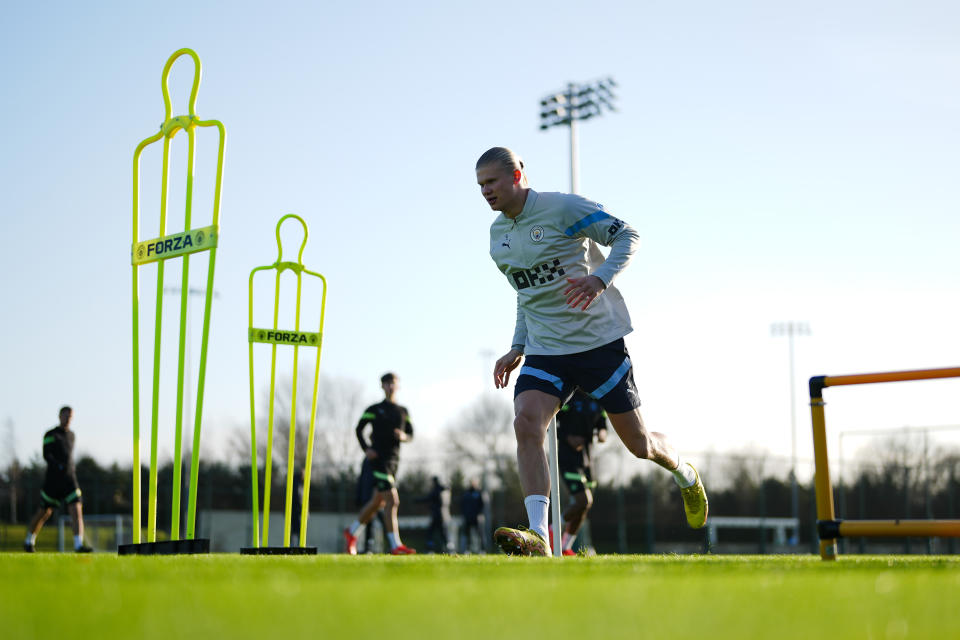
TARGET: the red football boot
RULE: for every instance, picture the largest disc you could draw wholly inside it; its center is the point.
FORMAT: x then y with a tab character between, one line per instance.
403	550
351	541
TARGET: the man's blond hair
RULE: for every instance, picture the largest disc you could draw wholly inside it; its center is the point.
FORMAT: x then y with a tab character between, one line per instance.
503	157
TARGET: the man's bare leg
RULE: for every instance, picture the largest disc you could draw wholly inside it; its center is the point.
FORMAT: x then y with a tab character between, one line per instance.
533	411
36	523
369	510
76	518
390	510
38	520
576	513
650	445
376	502
76	522
647	445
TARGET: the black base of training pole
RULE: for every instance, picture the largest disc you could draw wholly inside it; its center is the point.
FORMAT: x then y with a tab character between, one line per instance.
278	551
166	548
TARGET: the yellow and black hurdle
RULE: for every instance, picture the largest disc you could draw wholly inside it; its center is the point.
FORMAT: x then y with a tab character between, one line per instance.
829	528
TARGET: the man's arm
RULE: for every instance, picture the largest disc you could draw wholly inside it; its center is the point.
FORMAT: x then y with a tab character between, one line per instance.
365	419
504	365
519	329
589	220
49	441
407	428
623	244
511	360
54	453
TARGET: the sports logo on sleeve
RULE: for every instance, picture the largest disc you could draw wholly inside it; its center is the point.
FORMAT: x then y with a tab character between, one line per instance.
614	227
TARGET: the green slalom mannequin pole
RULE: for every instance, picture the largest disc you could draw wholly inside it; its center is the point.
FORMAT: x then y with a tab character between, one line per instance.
276	337
160	249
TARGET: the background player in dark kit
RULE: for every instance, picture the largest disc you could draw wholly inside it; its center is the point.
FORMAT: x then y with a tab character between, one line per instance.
60	486
390	425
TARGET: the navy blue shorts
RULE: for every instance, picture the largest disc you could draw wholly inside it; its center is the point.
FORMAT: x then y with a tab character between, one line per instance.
604	373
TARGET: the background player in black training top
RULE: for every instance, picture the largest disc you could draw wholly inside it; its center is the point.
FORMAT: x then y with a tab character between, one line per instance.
439	502
578	422
60	485
471	507
390	425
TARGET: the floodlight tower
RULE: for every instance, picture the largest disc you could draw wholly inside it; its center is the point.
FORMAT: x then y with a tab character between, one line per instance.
791	329
567	107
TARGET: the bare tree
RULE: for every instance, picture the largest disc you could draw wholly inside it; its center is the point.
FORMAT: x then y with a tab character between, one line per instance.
906	462
944	468
339	405
12	467
746	468
481	439
891	460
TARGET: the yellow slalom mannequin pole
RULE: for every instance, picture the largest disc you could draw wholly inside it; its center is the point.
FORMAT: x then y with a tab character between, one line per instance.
297	339
160	249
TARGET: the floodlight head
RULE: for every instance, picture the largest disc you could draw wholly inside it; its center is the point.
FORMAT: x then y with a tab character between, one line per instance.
790	329
606	92
577	102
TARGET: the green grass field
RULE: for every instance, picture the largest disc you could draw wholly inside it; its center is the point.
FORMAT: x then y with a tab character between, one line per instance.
439	597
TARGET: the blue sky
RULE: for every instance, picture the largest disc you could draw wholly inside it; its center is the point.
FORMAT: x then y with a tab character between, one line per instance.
780	163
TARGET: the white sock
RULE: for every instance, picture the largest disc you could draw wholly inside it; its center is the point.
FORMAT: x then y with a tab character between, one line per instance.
537	509
684	473
394	540
31	538
354	527
77	542
568	540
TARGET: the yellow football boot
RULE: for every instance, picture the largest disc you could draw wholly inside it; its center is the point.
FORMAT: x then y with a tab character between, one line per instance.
521	542
695	502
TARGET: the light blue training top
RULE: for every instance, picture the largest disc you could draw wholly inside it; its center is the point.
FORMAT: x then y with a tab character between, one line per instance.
555	237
